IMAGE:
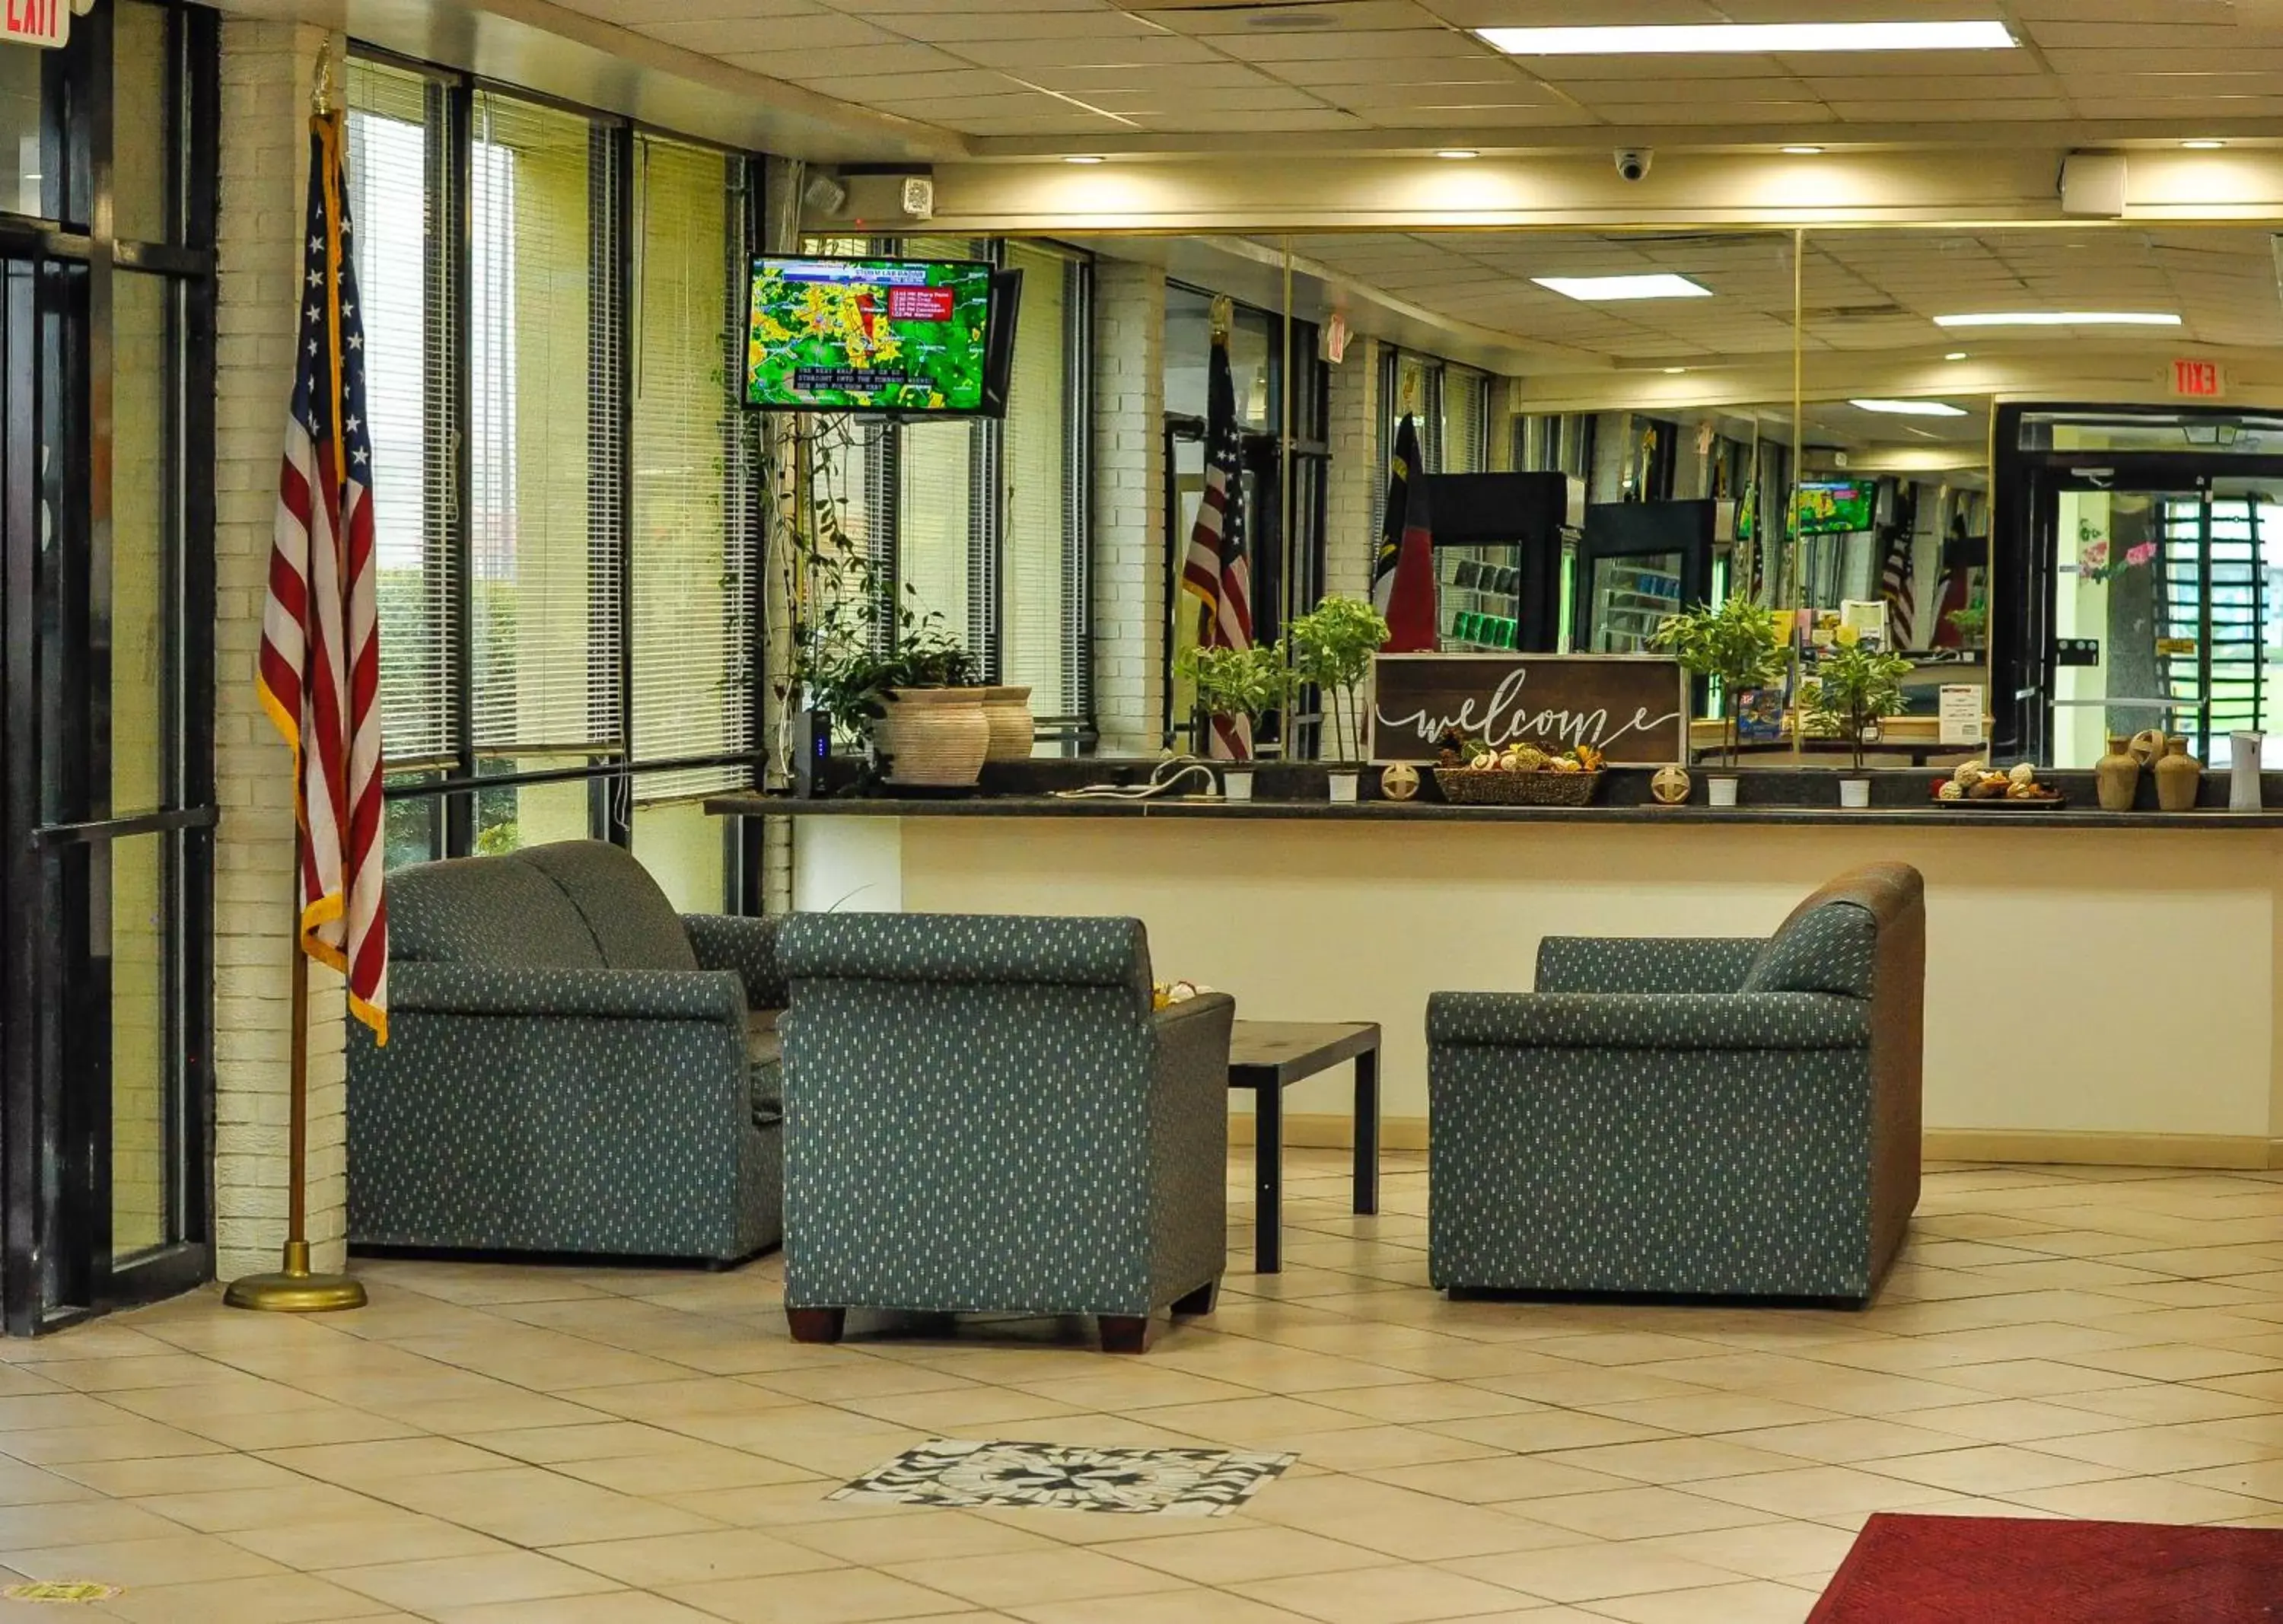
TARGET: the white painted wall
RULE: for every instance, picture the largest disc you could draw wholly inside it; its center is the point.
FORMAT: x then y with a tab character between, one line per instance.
2077	981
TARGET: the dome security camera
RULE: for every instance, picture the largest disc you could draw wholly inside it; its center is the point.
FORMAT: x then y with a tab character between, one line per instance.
1633	162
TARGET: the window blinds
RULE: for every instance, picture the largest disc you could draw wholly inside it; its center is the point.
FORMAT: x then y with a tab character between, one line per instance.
395	125
695	569
1466	420
544	611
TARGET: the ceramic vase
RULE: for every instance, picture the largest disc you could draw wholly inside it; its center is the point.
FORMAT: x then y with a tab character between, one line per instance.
1344	786
1854	794
2243	784
1720	792
1236	782
2179	776
933	737
1008	710
2116	776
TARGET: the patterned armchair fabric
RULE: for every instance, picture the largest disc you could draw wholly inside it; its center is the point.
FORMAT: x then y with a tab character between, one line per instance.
1731	1118
571	1067
983	1114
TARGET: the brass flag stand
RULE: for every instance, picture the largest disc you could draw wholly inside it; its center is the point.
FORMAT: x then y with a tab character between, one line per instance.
293	1289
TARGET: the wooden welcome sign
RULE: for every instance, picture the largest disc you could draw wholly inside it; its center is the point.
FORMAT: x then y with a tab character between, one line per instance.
1631	708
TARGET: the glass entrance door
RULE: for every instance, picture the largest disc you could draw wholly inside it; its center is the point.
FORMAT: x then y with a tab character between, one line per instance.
2165	613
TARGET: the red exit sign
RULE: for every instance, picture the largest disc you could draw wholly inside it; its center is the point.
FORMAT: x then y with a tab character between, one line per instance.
35	22
2198	380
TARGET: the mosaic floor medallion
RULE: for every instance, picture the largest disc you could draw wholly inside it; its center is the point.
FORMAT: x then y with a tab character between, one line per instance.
1066	1477
60	1591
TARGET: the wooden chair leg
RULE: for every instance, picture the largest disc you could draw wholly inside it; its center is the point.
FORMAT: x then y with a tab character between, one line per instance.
1201	1300
1125	1333
816	1325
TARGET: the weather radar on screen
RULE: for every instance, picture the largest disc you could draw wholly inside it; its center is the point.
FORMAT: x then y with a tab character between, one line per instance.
906	336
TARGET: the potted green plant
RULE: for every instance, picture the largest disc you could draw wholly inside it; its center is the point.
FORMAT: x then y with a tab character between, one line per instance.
1971	623
1739	646
1855	688
1332	646
1238	683
913	703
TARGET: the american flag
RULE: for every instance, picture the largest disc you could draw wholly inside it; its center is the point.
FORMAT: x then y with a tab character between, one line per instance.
320	666
1895	585
1217	570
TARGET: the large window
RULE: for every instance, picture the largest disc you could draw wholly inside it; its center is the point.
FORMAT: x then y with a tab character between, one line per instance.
565	487
983	523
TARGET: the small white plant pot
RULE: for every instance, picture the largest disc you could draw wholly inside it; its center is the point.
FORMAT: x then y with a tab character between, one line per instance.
1854	794
1345	785
1720	792
1236	784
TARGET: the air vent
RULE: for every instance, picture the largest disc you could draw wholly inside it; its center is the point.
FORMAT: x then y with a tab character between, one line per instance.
1288	20
1855	312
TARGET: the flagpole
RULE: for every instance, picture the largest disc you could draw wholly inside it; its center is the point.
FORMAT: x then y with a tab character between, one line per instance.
293	1289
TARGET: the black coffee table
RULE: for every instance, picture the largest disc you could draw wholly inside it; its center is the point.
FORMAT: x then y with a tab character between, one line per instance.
1268	1056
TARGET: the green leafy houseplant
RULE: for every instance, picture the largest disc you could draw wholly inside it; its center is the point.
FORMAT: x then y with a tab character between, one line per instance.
1854	687
1737	645
1247	682
1332	646
1970	623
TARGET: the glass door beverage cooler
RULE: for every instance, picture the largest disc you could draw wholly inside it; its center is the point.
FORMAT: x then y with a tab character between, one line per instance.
1498	545
1636	563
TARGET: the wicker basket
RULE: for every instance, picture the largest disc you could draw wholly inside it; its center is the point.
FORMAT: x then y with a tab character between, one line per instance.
1008	710
1464	786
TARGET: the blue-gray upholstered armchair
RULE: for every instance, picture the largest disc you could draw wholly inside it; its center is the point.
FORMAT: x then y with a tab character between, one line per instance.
571	1067
984	1114
1723	1117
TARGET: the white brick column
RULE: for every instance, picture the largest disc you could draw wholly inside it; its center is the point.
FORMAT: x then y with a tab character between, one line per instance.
1354	484
1129	506
267	70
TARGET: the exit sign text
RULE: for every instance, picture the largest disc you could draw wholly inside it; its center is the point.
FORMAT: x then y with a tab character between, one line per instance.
35	22
2198	380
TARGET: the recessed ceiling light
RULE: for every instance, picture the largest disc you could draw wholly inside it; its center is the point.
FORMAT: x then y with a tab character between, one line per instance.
1956	355
1662	285
1910	409
1755	39
1083	158
1802	152
1458	151
2061	318
1674	372
2203	146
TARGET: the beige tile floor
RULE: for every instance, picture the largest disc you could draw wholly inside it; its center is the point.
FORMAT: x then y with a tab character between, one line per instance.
489	1444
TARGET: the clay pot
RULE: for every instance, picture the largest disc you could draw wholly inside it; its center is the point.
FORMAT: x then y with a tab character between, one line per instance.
933	737
2116	776
2178	775
1008	710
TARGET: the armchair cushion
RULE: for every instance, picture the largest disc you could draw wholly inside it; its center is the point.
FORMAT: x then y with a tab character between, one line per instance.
518	991
1834	948
1644	965
968	949
1663	1021
635	927
748	946
494	912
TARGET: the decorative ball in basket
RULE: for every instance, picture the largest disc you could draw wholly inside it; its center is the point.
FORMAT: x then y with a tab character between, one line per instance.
1472	774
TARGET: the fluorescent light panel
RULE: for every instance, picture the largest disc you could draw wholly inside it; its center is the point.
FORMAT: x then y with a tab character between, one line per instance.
1909	409
1596	290
2061	318
1756	39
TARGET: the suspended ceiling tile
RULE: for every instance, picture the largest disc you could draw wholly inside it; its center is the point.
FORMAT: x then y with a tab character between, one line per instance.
1157	50
1365	45
1263	98
956	81
1398	71
2019	108
802	65
1330	16
1681	114
1451	120
951	27
1240	123
958	110
798	37
1930	87
1560	14
1187	75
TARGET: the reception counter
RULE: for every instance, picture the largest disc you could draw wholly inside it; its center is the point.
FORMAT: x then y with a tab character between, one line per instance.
2100	986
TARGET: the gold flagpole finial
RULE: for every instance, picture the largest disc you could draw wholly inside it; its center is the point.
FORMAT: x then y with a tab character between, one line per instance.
1224	316
321	92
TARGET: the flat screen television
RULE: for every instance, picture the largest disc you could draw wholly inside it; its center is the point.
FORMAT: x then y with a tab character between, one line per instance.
1837	507
910	337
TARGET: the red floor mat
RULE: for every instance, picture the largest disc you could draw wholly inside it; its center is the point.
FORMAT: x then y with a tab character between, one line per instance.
1987	1570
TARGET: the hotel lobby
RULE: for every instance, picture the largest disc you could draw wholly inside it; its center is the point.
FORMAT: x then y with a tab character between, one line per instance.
1359	811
